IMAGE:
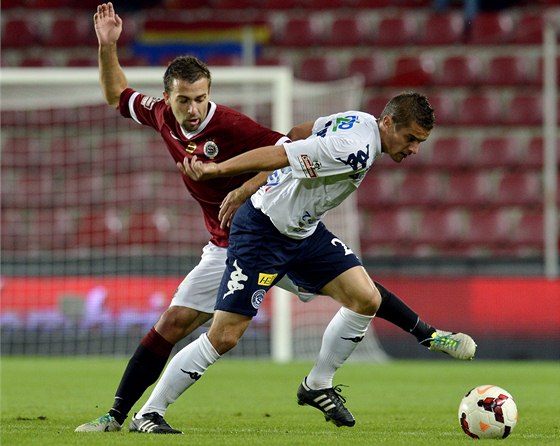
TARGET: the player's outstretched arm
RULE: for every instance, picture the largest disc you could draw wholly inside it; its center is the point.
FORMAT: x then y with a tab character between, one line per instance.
258	160
108	28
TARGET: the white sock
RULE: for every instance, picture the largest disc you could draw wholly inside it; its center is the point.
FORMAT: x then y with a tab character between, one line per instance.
346	329
184	369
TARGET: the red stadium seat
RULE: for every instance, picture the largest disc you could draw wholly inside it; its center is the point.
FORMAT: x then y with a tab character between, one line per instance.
374	69
529	232
224	60
524	110
68	32
420	189
529	29
508	70
49	4
395	31
480	110
348	31
413	71
146	228
467	189
442	29
233	4
376	104
459	71
439	227
370	4
492	28
99	229
493	228
36	61
20	33
58	229
14	229
444	108
387	227
319	69
378	191
299	32
82	61
452	153
20	152
534	153
319	5
271	5
499	152
519	189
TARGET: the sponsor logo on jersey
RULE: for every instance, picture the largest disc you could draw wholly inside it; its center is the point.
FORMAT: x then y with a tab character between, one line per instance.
211	149
266	279
148	102
257	298
308	166
235	278
357	160
191	147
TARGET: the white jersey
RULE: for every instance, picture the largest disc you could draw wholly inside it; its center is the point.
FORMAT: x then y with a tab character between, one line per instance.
324	169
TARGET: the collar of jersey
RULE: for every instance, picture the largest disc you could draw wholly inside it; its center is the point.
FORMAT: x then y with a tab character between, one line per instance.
211	110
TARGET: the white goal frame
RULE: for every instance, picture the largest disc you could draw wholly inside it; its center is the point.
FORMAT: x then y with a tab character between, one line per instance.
282	90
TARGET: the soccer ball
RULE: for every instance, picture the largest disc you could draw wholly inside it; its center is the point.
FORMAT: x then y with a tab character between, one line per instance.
488	412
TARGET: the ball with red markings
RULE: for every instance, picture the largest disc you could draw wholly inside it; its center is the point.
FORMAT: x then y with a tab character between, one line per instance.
488	411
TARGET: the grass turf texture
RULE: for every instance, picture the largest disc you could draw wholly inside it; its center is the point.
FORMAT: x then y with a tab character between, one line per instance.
254	403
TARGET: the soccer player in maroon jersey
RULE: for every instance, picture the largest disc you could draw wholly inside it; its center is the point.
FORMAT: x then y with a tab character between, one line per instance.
190	124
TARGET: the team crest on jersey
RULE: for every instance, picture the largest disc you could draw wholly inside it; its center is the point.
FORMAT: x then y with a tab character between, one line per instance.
257	298
149	101
191	147
210	149
309	166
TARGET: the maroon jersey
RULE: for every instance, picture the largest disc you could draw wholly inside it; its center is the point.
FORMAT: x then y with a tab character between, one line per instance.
223	134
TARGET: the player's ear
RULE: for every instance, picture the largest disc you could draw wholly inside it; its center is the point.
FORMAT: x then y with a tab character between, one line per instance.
166	97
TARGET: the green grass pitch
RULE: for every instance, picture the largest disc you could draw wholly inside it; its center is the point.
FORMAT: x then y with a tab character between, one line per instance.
253	403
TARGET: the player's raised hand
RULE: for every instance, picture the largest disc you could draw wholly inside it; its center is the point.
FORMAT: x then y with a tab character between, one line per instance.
197	170
108	24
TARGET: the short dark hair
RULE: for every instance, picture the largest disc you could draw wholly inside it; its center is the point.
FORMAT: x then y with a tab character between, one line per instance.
188	68
409	107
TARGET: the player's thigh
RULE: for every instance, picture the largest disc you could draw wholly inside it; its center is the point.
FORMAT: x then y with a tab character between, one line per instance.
199	289
355	290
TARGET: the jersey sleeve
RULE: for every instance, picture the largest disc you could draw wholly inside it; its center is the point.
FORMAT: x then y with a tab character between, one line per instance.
143	109
340	144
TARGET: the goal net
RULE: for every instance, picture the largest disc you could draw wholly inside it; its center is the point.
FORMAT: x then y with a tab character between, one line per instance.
97	229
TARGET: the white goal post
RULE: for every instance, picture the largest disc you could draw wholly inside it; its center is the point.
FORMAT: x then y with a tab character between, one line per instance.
270	95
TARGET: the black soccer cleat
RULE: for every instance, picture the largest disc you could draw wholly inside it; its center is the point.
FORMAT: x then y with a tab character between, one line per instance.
151	423
329	401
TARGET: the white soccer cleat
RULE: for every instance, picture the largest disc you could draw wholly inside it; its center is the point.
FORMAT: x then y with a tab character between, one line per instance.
105	423
456	345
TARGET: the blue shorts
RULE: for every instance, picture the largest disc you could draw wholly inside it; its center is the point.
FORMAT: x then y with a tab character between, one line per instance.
259	256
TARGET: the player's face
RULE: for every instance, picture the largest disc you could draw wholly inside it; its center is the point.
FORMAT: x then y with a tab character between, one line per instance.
189	102
405	141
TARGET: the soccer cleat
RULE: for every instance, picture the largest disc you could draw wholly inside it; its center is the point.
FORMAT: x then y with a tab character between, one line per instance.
329	401
105	423
456	345
151	423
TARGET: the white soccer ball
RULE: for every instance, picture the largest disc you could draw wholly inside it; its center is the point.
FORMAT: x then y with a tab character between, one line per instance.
488	412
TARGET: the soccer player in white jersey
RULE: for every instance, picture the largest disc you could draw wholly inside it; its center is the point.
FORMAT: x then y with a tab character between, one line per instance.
191	125
279	232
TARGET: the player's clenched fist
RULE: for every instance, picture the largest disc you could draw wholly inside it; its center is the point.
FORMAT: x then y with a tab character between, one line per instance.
197	170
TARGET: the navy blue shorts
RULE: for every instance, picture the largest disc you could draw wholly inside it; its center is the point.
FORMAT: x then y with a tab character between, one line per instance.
259	256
